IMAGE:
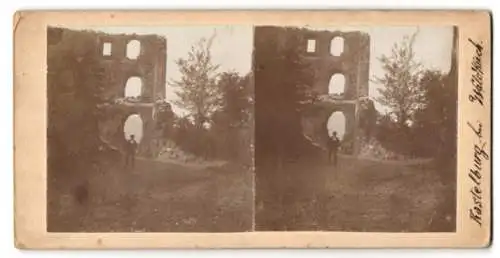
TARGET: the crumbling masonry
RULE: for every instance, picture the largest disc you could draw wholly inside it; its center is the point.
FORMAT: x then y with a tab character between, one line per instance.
353	64
118	66
149	66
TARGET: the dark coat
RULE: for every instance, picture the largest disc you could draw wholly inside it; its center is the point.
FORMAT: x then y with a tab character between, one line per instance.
333	143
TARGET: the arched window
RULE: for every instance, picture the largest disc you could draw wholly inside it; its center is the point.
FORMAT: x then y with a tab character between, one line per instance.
336	123
133	87
337	84
133	49
337	46
133	126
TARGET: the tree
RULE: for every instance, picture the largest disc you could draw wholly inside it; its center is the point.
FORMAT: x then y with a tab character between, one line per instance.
197	87
183	130
436	118
235	102
401	91
232	120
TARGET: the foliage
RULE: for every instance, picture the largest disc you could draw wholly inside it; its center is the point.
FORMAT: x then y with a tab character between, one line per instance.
433	129
423	104
437	118
220	106
197	87
187	136
391	136
236	103
401	92
233	121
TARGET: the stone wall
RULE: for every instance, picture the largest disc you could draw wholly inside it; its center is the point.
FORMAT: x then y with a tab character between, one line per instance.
149	66
117	68
314	121
353	64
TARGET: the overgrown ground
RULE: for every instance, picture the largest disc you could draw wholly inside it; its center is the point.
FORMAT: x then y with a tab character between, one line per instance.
156	197
358	195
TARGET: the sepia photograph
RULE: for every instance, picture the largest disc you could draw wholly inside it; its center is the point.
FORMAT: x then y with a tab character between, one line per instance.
252	129
149	129
356	128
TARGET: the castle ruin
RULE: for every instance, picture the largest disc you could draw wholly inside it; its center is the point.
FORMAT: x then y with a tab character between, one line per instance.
118	66
344	54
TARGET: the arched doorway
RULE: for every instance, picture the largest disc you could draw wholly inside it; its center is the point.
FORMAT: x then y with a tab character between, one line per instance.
133	87
337	46
133	49
133	126
337	84
336	123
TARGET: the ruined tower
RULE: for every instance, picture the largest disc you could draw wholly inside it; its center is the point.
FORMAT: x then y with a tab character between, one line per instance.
121	65
344	54
121	58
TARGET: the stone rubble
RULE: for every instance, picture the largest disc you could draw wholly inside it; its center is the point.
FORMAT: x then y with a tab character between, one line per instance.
172	152
372	149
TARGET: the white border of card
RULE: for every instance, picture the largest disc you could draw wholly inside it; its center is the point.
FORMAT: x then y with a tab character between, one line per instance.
30	29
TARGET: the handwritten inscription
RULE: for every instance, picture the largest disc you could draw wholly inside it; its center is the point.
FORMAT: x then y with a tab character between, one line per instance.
480	151
475	173
476	95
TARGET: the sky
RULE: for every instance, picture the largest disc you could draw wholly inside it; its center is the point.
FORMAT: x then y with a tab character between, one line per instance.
233	45
231	49
433	46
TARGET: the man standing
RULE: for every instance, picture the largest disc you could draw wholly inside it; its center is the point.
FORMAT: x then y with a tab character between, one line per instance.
333	146
130	149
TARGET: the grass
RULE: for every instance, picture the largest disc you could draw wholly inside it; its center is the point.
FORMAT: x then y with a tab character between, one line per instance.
358	195
158	197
